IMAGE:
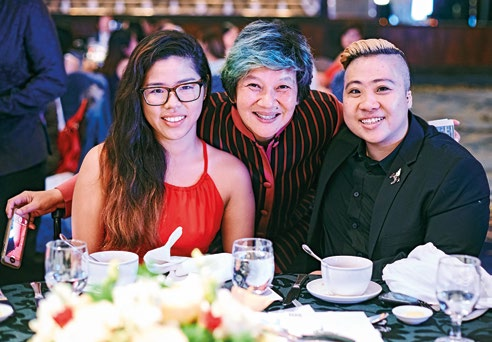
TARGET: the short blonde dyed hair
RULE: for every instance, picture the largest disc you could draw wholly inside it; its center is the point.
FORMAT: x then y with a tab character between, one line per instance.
374	47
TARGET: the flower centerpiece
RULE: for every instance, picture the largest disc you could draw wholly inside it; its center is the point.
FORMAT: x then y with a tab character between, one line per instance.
154	308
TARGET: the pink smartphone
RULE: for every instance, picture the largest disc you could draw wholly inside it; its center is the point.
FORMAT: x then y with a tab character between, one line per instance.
14	241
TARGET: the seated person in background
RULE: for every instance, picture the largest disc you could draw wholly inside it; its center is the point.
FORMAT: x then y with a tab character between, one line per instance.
120	46
350	33
390	182
336	86
97	116
229	35
153	173
214	49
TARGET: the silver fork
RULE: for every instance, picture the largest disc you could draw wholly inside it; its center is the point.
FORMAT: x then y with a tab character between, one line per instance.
38	294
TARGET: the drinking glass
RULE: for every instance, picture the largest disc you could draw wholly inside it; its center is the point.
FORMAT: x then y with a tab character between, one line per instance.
457	290
66	264
254	265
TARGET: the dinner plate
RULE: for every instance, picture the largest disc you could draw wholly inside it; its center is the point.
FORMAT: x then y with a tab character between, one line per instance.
165	267
5	311
319	290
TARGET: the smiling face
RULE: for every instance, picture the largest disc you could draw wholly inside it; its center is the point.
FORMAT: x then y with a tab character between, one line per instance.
266	100
376	101
174	119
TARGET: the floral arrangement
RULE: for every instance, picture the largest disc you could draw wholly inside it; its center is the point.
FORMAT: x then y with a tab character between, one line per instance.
151	309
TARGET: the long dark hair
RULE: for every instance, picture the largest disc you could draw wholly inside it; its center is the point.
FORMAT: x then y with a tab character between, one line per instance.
133	163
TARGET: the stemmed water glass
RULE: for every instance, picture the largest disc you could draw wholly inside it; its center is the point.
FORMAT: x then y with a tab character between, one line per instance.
254	265
457	290
66	263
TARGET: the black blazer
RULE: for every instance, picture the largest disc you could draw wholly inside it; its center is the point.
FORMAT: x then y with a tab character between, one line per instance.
442	196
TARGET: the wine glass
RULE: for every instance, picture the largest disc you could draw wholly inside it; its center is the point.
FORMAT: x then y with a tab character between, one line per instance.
254	265
457	290
66	263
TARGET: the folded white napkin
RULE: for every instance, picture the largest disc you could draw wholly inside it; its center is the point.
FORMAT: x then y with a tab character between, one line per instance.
416	276
218	266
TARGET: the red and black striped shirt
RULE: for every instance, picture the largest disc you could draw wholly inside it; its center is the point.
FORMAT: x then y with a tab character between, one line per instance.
285	173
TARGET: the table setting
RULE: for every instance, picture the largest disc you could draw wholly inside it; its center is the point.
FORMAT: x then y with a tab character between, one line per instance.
235	296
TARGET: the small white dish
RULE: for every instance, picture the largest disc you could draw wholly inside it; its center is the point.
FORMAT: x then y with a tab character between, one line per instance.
5	311
126	263
160	267
412	314
318	289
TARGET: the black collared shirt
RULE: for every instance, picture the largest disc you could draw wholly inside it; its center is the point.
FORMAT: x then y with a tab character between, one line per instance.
348	204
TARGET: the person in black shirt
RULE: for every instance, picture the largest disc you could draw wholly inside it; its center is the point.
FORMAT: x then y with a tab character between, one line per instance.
389	181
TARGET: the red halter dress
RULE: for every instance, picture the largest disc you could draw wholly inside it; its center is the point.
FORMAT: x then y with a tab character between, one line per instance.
198	209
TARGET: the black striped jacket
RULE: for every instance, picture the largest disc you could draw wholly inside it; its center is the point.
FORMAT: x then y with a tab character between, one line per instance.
284	174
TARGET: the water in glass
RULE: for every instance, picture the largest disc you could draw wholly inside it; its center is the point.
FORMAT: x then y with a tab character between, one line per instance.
66	264
254	265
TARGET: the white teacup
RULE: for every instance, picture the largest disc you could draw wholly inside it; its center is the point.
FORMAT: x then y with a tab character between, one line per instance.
346	275
127	264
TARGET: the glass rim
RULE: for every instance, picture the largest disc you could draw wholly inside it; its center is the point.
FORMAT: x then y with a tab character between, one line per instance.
60	244
263	241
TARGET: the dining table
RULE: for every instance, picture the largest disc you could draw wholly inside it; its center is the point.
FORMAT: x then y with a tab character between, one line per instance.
21	296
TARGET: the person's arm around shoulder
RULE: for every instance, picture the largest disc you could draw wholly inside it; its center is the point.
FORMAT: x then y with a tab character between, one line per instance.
234	184
87	202
66	188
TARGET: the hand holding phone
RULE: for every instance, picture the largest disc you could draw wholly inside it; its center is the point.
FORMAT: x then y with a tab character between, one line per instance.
14	241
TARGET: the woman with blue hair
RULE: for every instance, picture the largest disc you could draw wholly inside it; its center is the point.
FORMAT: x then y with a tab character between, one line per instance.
276	125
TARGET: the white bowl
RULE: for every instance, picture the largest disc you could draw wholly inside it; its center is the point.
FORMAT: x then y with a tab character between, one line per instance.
127	264
5	311
412	314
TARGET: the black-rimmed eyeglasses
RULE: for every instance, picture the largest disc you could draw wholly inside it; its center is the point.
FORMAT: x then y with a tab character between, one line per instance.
185	92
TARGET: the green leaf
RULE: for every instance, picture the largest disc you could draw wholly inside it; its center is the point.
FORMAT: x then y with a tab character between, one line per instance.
197	333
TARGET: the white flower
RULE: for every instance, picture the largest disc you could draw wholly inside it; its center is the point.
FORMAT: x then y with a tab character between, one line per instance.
139	303
94	322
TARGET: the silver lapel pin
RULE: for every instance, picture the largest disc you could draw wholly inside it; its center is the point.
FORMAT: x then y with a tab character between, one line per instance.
395	177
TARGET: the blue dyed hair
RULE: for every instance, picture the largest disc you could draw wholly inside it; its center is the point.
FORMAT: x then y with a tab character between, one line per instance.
273	45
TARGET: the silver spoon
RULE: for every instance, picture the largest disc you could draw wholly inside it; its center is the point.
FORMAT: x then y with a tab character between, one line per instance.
67	241
311	253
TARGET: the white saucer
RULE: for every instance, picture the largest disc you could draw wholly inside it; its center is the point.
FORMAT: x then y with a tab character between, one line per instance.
164	267
318	289
5	311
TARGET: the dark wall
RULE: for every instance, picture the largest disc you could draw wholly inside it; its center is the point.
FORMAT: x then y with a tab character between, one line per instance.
444	48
